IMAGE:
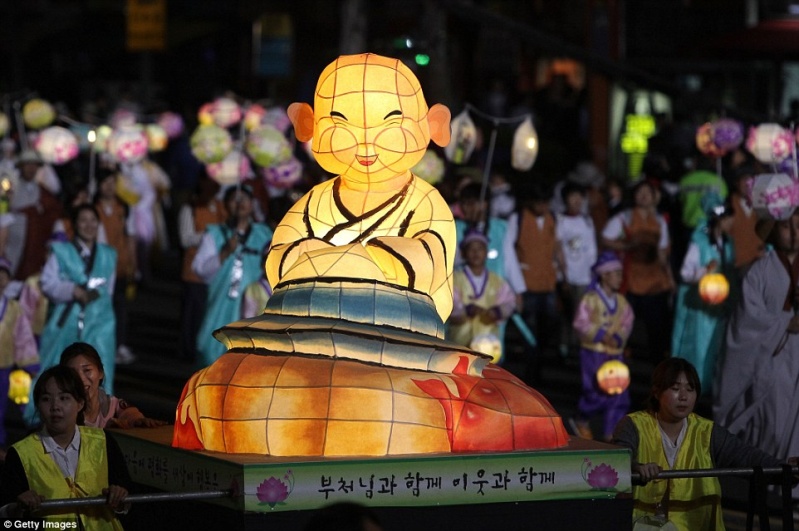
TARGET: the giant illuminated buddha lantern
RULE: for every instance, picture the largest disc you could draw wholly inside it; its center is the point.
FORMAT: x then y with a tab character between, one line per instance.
349	356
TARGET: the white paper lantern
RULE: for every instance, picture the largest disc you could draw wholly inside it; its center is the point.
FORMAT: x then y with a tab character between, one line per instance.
128	144
268	147
235	167
283	175
774	195
56	145
525	146
38	113
211	143
157	138
225	112
464	139
770	143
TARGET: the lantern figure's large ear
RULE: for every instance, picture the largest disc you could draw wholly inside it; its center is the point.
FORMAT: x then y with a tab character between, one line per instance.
438	118
301	115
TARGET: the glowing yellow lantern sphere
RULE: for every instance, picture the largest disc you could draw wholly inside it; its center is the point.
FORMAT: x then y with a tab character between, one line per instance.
19	385
714	288
613	377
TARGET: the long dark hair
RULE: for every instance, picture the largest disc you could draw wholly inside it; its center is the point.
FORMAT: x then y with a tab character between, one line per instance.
67	380
665	375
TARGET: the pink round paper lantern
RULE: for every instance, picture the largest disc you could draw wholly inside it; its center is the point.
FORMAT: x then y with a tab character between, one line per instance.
774	195
254	117
705	143
172	124
770	143
128	144
211	143
283	175
235	167
38	113
157	138
56	145
267	146
225	112
728	134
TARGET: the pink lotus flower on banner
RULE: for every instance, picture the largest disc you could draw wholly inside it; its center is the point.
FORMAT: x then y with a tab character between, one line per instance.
601	477
274	491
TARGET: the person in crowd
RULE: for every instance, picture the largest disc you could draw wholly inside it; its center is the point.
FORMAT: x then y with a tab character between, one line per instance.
116	223
538	253
748	246
193	219
77	193
482	299
642	236
603	321
18	346
575	235
34	305
229	259
758	377
64	460
101	410
503	202
35	209
698	332
668	435
78	278
501	259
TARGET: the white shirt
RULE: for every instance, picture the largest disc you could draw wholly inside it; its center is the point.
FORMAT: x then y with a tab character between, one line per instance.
576	236
65	458
58	289
670	448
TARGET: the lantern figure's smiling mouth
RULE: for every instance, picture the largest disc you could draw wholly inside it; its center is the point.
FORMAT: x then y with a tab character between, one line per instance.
366	160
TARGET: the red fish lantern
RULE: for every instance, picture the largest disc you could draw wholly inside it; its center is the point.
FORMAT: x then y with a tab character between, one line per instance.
714	288
613	377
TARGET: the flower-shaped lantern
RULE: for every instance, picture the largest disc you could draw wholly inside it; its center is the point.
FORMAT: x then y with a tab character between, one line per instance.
56	145
770	143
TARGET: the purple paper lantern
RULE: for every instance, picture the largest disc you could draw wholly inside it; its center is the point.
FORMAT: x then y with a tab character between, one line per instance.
728	134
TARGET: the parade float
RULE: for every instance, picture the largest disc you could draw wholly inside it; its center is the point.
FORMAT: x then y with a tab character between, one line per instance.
345	388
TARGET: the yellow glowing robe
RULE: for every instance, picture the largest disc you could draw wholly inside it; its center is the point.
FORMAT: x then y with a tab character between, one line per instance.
408	240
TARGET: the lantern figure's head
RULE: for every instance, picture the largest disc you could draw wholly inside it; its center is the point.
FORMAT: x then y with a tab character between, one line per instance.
370	121
714	288
613	377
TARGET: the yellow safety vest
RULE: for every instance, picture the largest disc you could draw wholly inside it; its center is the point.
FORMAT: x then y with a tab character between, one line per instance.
694	504
91	477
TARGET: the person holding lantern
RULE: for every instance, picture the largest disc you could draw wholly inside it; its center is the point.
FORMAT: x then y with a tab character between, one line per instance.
482	299
670	436
603	321
229	259
702	306
17	345
758	383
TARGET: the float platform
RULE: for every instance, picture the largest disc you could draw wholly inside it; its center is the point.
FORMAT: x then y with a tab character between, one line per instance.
583	485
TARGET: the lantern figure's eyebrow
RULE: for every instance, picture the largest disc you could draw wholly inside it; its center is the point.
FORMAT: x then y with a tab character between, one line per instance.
393	113
337	114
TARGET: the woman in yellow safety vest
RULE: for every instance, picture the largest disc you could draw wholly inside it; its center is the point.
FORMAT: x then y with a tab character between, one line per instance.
64	459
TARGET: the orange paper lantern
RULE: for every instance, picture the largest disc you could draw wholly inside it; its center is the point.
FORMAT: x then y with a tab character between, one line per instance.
714	288
613	377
